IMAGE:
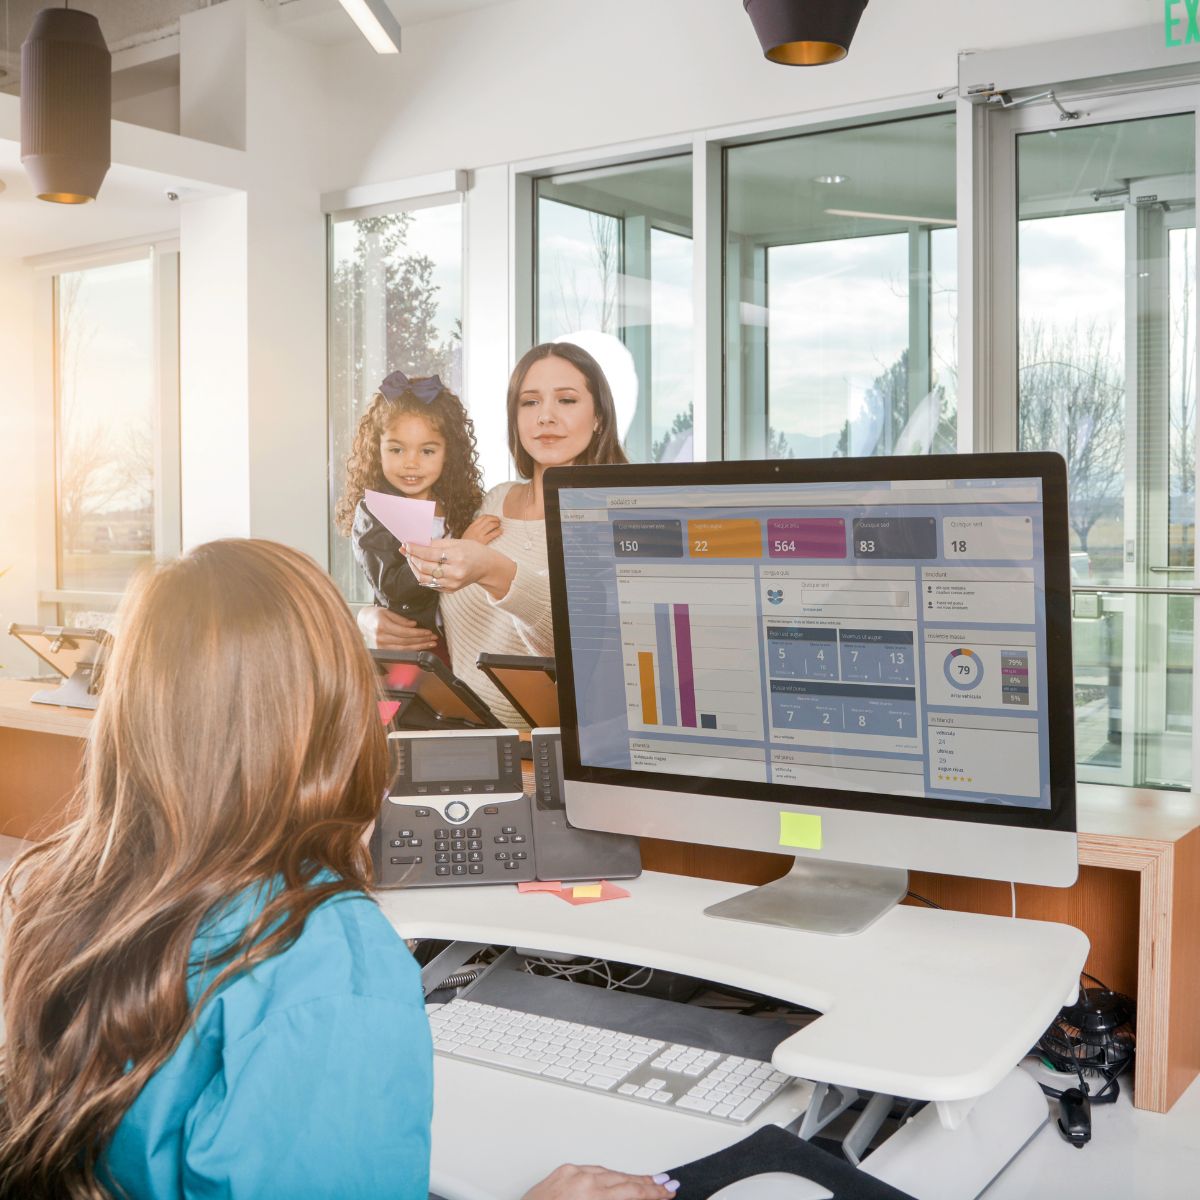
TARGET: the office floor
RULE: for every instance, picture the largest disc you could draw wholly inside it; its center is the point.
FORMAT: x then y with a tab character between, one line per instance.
1133	1155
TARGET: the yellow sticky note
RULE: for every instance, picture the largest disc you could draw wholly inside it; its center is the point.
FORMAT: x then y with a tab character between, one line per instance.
802	830
587	891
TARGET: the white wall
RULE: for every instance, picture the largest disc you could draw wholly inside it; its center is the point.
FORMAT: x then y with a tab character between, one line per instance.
541	77
155	110
18	478
252	294
214	400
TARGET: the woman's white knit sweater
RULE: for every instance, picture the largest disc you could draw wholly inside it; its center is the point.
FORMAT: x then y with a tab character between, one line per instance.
517	624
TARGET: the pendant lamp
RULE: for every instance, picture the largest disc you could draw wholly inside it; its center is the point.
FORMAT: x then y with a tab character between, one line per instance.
66	106
805	33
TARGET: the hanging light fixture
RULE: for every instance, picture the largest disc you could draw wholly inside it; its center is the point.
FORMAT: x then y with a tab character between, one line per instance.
66	106
805	33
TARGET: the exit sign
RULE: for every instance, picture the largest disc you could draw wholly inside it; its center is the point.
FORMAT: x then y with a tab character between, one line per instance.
1182	21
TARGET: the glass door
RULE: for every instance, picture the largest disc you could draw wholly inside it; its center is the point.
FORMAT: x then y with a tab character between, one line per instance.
1105	355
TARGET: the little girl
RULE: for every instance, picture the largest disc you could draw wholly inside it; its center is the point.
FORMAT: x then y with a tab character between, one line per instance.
414	440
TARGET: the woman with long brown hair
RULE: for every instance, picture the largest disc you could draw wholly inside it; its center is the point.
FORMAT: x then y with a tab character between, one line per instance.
497	596
200	998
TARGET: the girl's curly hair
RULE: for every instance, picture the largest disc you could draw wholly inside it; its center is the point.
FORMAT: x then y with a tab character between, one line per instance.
459	487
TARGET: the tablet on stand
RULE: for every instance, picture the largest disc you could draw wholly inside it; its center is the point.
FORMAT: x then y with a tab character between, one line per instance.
430	695
528	682
76	654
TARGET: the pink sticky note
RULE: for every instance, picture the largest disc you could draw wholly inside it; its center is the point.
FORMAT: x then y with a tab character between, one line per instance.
388	709
608	891
536	885
406	520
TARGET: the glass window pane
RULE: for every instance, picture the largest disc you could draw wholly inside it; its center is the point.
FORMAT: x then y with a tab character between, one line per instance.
840	279
1106	250
395	303
614	265
106	389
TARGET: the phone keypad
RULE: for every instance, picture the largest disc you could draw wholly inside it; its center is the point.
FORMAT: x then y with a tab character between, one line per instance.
493	844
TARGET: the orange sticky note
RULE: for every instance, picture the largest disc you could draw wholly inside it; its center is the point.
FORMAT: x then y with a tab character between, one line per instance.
594	893
536	885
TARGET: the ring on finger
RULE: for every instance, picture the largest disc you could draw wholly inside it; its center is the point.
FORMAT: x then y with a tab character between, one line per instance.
443	558
437	574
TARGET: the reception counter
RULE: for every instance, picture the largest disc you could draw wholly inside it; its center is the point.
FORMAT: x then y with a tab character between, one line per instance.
1137	898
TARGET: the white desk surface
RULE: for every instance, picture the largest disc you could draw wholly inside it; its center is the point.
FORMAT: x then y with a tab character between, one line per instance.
496	1134
928	1004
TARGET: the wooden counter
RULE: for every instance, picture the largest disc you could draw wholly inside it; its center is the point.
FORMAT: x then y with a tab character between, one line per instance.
41	747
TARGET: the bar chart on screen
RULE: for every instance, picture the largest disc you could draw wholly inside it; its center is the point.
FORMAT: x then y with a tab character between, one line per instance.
690	652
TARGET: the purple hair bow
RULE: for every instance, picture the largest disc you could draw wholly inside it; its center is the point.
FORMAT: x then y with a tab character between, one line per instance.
425	390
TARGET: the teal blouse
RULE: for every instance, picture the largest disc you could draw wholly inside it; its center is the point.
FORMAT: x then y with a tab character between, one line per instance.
309	1076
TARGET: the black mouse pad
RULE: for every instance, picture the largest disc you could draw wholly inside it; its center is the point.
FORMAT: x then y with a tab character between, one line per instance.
773	1149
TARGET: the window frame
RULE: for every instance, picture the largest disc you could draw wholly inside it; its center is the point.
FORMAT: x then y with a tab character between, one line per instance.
163	251
1106	73
375	200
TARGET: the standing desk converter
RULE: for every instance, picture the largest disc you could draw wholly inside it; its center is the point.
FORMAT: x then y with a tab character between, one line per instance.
932	1005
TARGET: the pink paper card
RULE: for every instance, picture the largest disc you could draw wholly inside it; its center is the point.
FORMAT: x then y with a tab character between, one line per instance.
608	891
388	709
406	520
536	885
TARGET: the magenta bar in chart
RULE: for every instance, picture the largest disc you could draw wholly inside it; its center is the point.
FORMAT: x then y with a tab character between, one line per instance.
683	660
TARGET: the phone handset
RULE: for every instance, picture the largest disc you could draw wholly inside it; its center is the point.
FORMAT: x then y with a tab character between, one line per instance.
565	852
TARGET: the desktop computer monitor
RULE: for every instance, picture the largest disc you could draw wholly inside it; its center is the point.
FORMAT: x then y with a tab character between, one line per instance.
862	662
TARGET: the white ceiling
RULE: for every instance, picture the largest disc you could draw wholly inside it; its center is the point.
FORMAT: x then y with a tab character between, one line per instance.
133	204
128	23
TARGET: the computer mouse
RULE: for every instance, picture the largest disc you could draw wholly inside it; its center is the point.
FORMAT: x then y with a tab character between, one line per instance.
774	1185
1075	1117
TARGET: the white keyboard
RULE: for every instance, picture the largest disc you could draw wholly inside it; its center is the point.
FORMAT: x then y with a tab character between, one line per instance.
670	1075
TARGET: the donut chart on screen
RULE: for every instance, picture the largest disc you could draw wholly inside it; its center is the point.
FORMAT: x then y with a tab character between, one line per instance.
964	669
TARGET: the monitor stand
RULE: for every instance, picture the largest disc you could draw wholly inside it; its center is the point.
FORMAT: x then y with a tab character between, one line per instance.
75	692
819	897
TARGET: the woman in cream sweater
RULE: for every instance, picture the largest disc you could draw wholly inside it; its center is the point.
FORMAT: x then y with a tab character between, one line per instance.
497	596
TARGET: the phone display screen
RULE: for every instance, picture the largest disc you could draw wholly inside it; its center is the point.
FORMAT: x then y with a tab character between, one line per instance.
439	760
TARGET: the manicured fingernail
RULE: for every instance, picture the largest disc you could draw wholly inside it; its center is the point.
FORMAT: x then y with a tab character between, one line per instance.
662	1177
672	1185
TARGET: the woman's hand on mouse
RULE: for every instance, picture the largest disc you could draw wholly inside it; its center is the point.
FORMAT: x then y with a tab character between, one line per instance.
570	1182
449	564
483	529
385	630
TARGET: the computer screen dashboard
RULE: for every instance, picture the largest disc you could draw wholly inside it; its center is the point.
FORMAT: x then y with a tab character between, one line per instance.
885	635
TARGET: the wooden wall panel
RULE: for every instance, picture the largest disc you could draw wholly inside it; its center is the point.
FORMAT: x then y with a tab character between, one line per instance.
38	773
1181	1055
1103	903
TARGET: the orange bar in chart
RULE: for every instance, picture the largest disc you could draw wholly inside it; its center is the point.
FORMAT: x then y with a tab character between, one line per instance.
646	680
735	538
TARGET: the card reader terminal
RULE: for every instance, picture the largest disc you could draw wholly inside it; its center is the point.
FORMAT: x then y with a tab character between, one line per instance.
456	811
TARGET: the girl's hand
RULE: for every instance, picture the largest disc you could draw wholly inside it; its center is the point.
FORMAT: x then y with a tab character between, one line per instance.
448	564
598	1183
483	529
385	630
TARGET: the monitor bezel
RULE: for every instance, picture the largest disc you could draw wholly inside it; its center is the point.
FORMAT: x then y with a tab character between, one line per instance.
1049	468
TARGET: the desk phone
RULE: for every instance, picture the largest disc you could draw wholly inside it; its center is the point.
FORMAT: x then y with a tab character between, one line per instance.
456	811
